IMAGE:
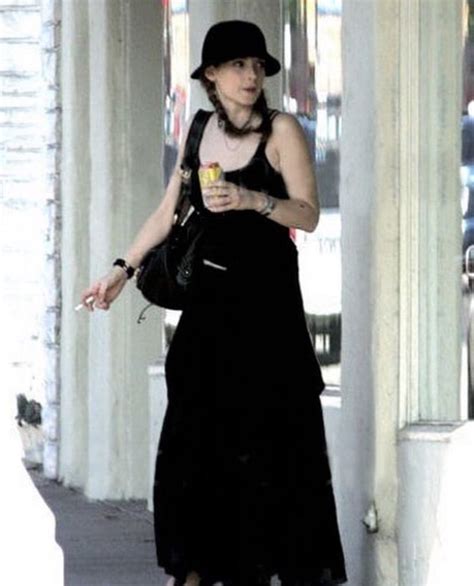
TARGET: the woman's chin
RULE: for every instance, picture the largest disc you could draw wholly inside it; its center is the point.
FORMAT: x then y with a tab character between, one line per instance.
249	99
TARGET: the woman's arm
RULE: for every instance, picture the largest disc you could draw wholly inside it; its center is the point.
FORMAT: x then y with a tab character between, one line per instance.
155	229
158	225
301	210
297	168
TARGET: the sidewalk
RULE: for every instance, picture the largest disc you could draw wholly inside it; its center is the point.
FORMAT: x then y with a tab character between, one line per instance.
105	543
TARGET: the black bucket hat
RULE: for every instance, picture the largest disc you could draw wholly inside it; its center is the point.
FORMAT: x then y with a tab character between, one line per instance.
230	39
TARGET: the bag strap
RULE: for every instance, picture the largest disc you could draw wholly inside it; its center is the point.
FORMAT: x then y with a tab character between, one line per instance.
273	114
190	159
193	140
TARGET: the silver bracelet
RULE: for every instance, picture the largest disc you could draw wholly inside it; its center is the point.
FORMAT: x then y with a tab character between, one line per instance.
269	205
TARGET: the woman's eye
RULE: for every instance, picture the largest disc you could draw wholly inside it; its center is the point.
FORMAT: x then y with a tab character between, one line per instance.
240	63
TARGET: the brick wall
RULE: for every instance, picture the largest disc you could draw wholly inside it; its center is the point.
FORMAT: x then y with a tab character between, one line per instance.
29	201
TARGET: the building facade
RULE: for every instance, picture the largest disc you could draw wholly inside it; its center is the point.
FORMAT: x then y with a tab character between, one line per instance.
397	410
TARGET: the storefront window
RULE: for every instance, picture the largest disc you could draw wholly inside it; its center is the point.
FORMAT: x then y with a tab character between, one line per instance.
467	206
176	77
312	92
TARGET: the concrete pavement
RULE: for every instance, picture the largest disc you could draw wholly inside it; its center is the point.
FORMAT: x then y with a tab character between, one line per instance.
105	543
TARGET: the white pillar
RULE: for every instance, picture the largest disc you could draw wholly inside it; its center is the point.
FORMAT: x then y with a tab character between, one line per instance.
112	180
440	237
144	189
355	450
75	197
401	233
119	349
435	511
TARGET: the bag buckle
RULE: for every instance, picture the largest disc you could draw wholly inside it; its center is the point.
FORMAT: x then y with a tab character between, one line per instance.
185	173
187	216
214	265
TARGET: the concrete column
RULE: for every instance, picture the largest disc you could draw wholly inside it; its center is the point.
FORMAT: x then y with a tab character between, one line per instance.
355	450
440	241
435	510
401	227
112	180
430	260
119	350
75	192
144	190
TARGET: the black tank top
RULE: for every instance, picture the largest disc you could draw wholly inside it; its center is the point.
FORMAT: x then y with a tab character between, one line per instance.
246	236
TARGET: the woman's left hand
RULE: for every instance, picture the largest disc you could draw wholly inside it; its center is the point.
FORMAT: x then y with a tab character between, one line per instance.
223	196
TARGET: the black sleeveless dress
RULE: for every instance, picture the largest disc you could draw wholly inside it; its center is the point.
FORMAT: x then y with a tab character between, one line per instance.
242	480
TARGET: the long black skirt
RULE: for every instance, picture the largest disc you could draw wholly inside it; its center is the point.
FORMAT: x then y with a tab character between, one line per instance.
243	485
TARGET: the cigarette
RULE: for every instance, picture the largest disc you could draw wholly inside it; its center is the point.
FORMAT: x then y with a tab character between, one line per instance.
81	305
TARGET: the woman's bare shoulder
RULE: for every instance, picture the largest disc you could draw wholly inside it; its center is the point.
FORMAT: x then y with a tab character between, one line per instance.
284	123
287	135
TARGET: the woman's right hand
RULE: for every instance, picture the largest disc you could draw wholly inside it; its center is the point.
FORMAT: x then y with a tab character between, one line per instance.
105	290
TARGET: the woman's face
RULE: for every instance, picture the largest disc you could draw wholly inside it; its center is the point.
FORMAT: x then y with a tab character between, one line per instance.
239	81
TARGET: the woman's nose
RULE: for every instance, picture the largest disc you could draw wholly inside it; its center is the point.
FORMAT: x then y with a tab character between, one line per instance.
252	71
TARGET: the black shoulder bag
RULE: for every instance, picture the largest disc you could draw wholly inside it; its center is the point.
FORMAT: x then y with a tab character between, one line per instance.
166	272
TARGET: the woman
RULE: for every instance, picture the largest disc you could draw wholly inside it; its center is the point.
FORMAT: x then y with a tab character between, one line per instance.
242	480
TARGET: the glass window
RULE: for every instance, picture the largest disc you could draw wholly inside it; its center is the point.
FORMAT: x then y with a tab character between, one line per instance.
467	207
176	77
312	92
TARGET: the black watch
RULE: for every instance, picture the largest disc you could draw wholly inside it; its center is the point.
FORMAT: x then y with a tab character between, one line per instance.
120	262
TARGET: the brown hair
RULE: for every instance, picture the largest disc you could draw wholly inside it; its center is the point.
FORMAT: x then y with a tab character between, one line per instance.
260	107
